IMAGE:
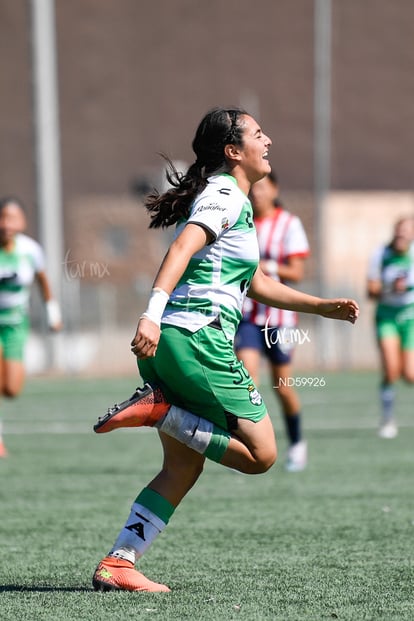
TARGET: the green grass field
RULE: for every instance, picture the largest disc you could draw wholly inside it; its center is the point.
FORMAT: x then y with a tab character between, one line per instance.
333	542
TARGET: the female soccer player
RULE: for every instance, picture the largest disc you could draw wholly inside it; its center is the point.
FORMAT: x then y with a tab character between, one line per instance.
391	284
197	393
21	261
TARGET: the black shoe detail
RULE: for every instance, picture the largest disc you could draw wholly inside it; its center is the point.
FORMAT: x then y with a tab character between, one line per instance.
139	394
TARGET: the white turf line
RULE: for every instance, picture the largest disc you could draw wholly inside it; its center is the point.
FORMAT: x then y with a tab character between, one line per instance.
62	428
56	429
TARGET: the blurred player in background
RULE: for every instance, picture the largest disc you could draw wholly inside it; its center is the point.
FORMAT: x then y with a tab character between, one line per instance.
197	393
267	331
391	284
21	261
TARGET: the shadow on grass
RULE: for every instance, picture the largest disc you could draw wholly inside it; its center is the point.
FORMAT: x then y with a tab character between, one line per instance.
10	588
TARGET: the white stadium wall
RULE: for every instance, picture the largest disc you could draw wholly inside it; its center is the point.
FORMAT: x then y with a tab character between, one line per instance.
353	225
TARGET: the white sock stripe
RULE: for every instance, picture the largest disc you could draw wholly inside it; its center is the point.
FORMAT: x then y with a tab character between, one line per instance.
140	530
125	552
139	511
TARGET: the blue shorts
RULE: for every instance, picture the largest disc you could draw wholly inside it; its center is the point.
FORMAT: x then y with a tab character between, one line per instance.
271	345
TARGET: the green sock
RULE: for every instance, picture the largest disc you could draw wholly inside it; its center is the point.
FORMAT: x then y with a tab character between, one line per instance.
149	516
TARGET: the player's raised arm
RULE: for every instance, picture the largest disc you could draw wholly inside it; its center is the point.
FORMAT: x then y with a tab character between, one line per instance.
267	291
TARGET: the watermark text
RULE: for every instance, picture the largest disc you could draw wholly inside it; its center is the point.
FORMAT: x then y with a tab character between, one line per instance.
84	269
284	336
296	382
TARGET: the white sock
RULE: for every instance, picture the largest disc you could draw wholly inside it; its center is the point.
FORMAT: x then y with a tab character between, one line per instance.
387	393
187	428
140	530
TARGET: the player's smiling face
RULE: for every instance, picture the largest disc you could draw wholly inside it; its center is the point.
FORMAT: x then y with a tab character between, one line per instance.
255	150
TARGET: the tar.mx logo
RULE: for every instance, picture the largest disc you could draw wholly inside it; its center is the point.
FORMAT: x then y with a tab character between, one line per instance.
284	336
84	269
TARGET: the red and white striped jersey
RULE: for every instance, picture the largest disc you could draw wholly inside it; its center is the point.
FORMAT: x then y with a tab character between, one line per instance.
280	236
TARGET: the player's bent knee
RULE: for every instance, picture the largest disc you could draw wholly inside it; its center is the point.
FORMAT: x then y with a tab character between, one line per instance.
263	462
265	458
267	463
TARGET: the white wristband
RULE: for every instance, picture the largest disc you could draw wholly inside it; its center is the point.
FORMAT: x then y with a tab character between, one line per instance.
156	305
54	316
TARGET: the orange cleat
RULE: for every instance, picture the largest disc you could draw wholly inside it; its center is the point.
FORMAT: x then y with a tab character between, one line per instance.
115	574
3	450
146	407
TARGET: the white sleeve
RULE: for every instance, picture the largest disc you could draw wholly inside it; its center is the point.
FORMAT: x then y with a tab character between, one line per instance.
30	246
296	241
38	257
217	214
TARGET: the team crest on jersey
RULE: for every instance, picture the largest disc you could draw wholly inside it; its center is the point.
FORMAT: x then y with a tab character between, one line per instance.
224	224
254	395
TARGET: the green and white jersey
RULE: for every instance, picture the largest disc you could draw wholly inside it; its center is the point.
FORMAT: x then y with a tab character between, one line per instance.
218	276
17	270
386	266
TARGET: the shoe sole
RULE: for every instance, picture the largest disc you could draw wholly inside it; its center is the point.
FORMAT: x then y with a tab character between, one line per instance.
103	421
104	587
